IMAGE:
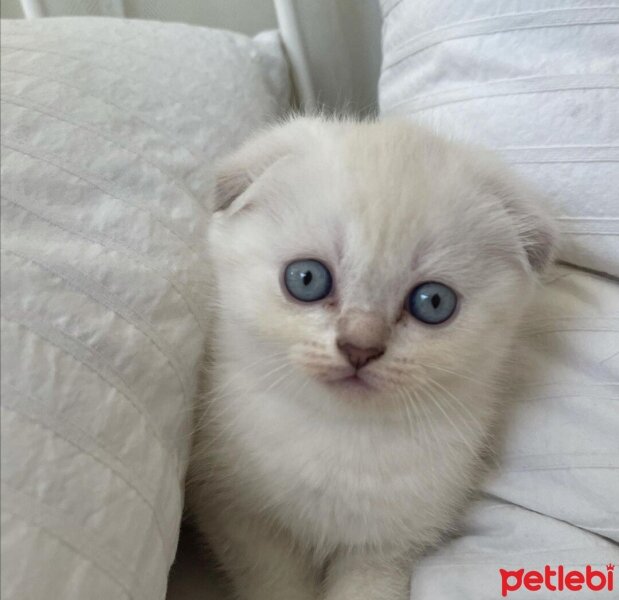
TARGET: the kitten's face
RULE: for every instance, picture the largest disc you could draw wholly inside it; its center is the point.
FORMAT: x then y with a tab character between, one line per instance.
375	260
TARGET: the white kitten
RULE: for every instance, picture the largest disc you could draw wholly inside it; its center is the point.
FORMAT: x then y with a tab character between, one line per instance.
369	280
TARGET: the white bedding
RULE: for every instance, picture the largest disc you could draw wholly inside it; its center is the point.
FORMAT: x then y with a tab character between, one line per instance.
109	131
537	80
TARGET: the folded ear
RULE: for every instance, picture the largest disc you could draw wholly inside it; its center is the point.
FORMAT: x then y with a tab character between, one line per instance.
539	237
236	173
536	227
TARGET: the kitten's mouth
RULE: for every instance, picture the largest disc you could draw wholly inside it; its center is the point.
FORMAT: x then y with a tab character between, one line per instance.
353	381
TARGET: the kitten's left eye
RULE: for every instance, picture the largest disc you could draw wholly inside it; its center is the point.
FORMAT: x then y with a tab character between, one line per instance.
308	280
432	303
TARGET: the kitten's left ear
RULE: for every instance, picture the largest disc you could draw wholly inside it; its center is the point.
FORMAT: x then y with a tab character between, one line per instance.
536	227
236	173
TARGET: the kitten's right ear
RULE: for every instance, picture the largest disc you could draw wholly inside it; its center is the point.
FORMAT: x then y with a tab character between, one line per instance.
236	173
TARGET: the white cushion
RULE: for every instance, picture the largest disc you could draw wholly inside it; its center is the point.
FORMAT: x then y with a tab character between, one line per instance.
537	80
109	130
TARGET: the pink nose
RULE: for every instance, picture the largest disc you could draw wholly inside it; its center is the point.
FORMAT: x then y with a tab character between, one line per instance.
359	357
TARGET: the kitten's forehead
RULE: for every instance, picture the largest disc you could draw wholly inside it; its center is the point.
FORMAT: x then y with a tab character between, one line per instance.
398	205
398	177
408	194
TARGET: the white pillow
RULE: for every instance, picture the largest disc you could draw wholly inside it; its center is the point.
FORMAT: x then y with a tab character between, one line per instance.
537	80
109	130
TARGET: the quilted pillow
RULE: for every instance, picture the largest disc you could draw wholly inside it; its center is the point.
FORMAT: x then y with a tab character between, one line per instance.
109	131
538	81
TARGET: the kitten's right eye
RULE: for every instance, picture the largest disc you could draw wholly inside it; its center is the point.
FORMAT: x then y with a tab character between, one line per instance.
307	280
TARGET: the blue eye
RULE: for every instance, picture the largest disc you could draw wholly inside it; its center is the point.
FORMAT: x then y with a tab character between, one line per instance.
307	280
432	303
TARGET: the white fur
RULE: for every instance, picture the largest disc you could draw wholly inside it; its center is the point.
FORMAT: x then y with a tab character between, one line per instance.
306	489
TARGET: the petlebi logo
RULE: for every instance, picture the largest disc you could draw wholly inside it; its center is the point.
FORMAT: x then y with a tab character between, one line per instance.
558	579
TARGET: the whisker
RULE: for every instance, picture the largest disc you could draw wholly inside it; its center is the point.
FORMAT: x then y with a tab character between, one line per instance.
222	391
459	374
426	442
466	374
453	425
462	405
323	355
